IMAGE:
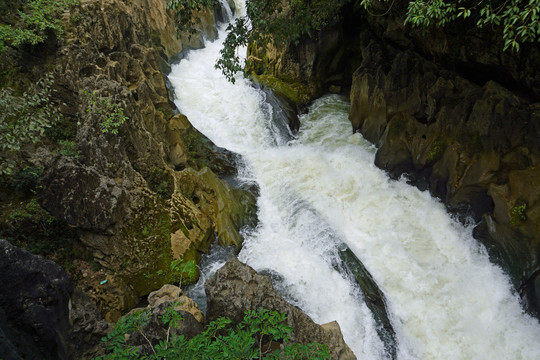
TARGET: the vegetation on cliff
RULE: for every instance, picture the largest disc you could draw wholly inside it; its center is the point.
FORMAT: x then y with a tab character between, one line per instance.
29	22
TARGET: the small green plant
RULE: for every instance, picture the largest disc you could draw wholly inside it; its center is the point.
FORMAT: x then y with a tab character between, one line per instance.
181	269
250	339
23	120
69	148
31	23
435	151
111	115
517	214
160	181
178	271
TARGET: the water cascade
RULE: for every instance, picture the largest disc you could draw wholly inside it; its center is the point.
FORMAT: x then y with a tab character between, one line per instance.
321	196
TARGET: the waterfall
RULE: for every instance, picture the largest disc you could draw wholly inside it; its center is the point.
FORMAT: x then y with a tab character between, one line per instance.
320	190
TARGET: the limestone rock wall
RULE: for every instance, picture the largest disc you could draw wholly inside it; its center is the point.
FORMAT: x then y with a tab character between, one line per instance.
124	193
468	139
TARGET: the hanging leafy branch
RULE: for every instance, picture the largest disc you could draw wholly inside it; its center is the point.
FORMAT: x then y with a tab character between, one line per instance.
186	13
518	21
275	21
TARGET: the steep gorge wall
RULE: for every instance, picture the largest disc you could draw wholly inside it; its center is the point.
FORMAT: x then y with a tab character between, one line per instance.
449	109
149	194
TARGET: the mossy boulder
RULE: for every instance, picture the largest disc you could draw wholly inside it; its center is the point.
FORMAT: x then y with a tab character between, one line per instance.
230	209
292	90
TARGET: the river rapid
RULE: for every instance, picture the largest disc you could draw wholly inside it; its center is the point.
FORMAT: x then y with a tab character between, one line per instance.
319	191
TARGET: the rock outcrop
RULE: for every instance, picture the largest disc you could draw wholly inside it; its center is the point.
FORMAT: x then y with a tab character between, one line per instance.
473	145
236	287
87	327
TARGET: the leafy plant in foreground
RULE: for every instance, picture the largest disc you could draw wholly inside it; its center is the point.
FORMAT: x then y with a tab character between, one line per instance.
251	339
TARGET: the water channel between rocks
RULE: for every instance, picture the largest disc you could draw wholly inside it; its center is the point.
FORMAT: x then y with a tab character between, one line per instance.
319	192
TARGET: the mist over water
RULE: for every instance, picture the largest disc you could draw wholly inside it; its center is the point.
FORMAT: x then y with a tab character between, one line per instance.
320	190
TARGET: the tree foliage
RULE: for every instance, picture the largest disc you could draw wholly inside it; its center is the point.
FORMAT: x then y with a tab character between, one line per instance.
276	21
518	21
30	23
23	120
250	339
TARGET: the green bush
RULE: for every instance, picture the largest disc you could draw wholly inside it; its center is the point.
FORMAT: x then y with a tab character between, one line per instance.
250	339
517	214
69	149
25	181
23	120
31	23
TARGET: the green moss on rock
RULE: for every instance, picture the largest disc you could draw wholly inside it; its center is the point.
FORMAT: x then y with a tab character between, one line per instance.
294	91
435	152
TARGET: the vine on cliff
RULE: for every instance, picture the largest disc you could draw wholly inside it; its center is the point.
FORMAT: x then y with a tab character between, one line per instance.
23	120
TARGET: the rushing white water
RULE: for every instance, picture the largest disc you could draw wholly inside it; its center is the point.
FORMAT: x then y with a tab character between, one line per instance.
446	300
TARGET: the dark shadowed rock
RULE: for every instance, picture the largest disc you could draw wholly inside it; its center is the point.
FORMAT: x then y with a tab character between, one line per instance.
236	287
33	305
87	327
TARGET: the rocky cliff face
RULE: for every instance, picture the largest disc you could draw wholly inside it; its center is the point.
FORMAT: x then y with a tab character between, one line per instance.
459	132
452	111
148	194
